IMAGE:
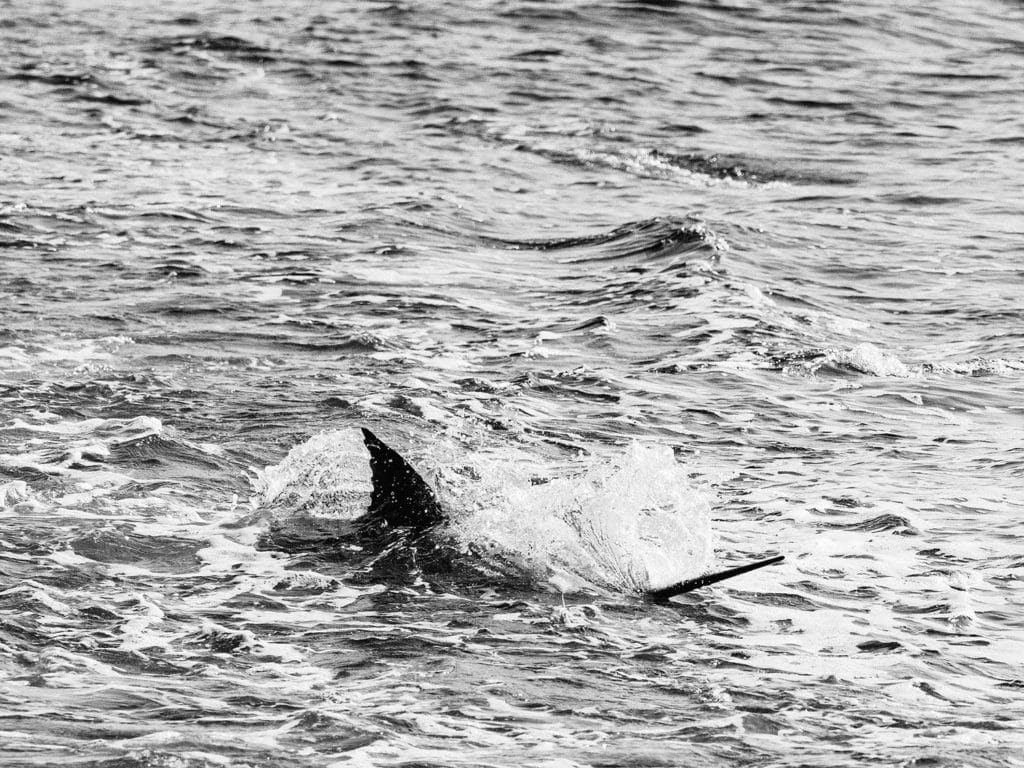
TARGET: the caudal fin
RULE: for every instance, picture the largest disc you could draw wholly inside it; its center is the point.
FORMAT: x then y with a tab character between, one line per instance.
660	595
400	498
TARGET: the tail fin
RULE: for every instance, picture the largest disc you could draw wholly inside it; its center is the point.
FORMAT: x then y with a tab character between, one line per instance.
660	595
400	498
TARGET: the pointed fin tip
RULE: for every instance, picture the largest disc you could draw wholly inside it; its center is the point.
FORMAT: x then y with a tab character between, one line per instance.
662	595
400	497
379	450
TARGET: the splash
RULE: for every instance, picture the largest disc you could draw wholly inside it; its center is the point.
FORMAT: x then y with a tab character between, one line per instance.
867	358
630	524
328	475
14	493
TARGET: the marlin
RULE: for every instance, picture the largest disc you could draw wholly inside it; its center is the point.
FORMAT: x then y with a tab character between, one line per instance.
404	524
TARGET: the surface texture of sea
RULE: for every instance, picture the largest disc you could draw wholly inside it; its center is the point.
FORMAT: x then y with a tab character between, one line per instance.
643	289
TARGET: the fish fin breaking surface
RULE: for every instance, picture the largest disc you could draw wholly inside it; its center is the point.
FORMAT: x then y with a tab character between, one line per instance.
660	595
400	497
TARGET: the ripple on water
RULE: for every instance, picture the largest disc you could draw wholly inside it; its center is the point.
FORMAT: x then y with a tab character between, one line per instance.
632	293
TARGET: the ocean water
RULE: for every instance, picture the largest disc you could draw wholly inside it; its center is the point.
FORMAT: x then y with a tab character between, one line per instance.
643	289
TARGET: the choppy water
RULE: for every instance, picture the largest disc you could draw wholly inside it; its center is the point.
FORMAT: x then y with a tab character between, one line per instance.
627	281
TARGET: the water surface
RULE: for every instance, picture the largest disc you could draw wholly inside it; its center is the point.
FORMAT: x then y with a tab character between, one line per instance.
642	288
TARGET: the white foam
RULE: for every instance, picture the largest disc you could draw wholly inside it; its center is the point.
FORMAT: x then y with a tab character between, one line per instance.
629	524
329	474
867	358
13	493
62	351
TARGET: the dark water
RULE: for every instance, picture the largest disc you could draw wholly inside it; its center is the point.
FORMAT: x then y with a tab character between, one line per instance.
631	283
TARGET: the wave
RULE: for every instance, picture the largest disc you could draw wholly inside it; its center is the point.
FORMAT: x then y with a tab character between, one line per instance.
583	145
650	238
868	358
101	461
238	47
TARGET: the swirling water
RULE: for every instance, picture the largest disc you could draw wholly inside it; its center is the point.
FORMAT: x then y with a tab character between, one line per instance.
632	283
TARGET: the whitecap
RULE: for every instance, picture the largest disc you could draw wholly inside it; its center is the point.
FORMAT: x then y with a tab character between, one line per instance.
867	358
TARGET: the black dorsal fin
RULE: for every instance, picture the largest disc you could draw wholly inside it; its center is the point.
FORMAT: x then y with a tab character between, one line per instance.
401	498
660	595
